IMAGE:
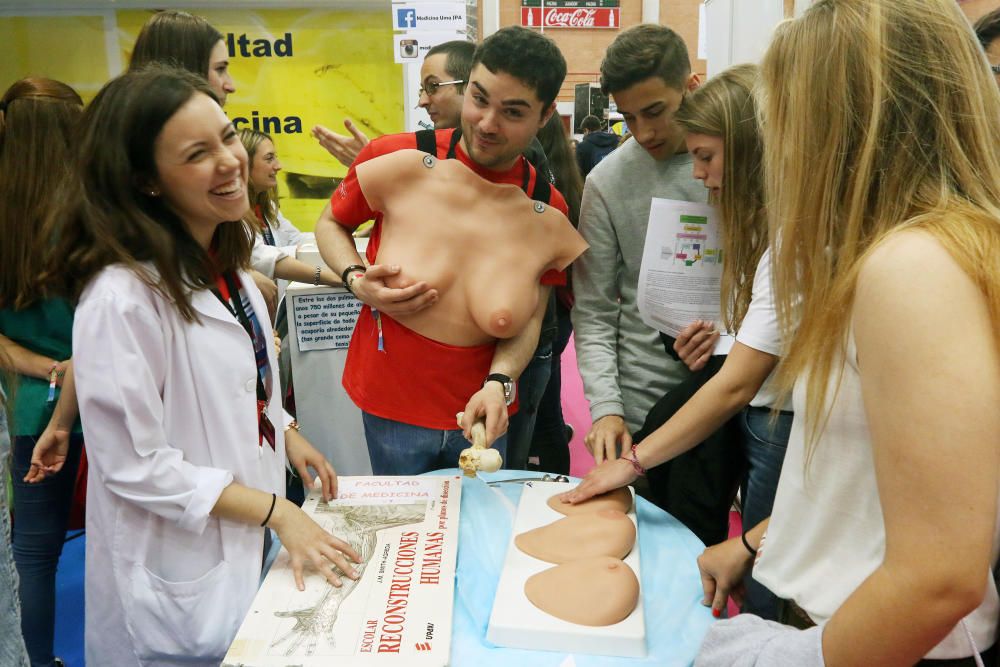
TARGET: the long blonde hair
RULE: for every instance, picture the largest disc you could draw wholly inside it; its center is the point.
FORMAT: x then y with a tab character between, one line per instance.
263	203
879	115
725	107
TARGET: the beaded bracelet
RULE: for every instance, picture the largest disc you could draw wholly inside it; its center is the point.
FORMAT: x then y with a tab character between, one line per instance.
634	460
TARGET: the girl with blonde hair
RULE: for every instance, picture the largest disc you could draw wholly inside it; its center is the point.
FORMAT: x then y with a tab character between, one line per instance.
276	239
720	119
883	183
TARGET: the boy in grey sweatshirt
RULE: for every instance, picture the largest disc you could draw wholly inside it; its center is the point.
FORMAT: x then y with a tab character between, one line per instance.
622	361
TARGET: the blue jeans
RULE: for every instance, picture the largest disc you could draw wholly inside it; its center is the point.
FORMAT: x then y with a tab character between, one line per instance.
396	448
764	445
549	444
41	512
12	651
530	389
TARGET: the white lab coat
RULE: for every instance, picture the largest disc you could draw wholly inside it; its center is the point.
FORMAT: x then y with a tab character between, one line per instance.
169	416
287	239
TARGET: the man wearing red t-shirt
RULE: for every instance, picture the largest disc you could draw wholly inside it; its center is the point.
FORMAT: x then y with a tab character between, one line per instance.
407	386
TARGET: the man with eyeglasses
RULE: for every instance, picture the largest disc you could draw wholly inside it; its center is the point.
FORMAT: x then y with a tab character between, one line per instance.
409	387
443	76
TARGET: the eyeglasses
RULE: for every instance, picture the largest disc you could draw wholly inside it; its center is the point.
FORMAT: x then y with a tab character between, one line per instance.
431	87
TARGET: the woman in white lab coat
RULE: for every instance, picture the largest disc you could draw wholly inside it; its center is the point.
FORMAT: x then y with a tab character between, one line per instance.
174	378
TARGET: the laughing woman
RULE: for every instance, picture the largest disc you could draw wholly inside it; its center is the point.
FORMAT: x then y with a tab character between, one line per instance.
176	380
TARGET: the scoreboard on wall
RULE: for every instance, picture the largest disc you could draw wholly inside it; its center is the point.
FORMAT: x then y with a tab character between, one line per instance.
570	14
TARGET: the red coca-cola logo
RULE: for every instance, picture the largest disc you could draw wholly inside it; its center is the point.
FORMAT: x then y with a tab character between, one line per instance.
576	18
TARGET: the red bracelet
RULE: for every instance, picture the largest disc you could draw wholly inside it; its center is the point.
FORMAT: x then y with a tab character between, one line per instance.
634	460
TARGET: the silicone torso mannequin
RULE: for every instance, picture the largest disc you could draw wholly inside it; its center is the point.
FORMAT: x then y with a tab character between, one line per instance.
602	533
481	245
611	593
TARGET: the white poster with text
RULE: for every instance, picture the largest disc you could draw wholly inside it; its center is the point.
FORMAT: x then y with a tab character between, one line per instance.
681	274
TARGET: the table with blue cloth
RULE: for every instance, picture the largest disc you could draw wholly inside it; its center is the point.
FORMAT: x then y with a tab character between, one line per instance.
676	621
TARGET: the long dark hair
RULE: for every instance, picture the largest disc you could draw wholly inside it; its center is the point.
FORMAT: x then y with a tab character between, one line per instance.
563	164
38	119
176	38
109	217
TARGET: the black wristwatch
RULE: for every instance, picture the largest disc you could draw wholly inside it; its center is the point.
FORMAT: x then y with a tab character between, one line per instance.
509	386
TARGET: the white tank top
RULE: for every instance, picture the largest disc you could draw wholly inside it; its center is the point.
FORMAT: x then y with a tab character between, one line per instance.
826	534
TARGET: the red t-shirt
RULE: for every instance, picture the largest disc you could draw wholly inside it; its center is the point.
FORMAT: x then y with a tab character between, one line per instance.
415	380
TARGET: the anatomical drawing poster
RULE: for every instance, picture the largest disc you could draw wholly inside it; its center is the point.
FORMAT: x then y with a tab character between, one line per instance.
397	613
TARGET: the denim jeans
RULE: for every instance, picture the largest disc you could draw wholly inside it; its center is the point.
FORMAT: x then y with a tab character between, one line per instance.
530	389
549	449
764	444
41	512
12	651
396	448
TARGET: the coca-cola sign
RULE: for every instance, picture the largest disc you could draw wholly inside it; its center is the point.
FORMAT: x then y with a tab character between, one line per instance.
570	17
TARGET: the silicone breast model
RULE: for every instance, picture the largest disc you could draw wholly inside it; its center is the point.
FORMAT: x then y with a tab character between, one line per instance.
483	246
619	499
595	591
602	533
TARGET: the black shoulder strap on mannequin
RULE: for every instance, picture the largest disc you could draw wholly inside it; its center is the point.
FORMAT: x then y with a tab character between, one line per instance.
427	143
542	190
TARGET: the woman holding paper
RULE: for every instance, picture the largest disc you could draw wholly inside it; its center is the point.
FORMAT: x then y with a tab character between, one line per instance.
723	138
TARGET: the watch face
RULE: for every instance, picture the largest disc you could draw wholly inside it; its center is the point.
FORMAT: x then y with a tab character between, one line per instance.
509	390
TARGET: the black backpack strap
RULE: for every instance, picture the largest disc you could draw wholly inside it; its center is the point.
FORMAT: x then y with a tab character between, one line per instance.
426	141
542	190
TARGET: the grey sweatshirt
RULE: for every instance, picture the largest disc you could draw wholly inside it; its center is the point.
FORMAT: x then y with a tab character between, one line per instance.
624	366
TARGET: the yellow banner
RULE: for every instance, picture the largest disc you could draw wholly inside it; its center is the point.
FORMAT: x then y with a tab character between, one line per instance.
293	69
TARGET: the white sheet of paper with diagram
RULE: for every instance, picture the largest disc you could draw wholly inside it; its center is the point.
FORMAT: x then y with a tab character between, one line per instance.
400	610
681	274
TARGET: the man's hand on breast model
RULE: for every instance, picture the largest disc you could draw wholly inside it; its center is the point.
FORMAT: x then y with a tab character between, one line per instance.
606	436
392	301
489	403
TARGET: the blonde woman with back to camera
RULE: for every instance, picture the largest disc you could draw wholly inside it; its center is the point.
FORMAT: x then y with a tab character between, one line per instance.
883	179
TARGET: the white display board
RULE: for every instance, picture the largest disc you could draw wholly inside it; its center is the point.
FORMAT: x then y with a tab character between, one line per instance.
330	420
324	320
739	31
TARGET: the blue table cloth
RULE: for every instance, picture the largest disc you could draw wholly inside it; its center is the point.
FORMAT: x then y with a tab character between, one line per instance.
671	587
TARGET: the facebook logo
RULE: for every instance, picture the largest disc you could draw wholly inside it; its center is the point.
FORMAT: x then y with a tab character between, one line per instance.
406	18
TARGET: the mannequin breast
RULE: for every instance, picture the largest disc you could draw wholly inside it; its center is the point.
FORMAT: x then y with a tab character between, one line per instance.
483	246
617	499
578	537
595	592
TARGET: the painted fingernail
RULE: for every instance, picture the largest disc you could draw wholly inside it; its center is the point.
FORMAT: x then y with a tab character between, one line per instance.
716	613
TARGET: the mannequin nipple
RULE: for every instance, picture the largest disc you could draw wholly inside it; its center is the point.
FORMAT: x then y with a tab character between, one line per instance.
501	322
594	592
